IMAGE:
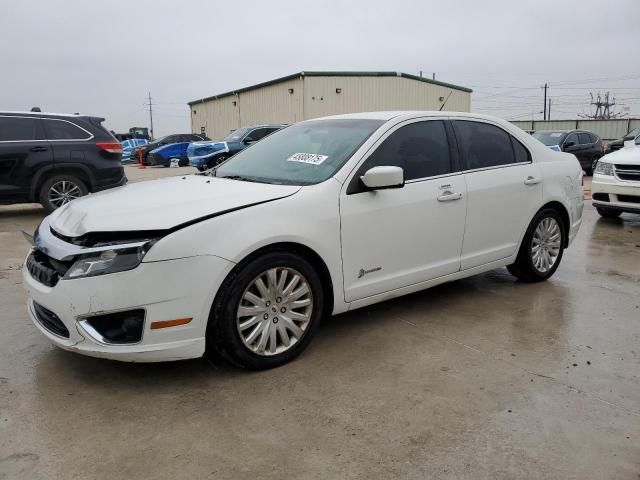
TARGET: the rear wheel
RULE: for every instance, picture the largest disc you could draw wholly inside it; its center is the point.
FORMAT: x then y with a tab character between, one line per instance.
541	249
266	311
608	213
59	190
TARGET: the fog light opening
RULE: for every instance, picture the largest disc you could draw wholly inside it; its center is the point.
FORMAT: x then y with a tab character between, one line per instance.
119	328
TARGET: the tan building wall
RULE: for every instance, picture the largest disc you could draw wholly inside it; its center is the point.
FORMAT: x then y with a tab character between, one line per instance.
367	94
305	97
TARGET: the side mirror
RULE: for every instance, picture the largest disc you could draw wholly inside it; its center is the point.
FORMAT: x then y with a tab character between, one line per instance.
378	178
569	144
247	140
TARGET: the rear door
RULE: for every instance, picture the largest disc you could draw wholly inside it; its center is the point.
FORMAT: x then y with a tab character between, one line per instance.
504	190
23	150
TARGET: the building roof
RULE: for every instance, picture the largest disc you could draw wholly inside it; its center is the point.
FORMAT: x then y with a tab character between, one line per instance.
331	74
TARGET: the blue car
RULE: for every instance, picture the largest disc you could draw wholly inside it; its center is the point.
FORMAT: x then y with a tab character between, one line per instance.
205	155
128	146
163	155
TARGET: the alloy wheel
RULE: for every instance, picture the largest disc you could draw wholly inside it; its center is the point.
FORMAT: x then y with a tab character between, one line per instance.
274	311
62	192
546	244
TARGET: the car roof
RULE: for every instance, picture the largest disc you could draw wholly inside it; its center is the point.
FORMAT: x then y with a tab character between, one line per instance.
389	115
45	114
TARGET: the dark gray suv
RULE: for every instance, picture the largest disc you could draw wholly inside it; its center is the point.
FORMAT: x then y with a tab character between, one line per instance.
53	158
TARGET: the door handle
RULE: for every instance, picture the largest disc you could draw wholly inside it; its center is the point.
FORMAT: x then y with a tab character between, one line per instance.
532	180
39	149
449	196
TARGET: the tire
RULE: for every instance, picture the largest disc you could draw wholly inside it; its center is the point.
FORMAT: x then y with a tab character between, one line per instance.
54	187
214	162
607	213
531	268
224	334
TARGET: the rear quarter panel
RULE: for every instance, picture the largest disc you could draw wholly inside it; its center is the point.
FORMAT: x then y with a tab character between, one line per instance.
562	183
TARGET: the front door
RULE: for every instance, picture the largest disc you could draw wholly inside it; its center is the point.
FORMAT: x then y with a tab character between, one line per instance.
399	237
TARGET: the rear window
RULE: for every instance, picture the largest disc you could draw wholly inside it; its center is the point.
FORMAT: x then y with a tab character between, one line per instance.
14	129
64	130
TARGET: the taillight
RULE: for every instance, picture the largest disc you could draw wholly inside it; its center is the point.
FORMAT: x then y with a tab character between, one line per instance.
110	147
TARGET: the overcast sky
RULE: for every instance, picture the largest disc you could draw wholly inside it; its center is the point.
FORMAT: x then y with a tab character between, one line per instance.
102	57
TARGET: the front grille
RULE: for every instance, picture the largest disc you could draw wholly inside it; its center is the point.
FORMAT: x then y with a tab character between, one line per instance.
45	269
50	321
628	172
629	198
41	269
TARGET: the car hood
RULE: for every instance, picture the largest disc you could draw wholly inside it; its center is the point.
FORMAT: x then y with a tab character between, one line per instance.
626	155
161	204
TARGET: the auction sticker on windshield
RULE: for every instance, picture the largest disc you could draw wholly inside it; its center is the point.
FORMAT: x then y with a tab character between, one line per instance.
312	158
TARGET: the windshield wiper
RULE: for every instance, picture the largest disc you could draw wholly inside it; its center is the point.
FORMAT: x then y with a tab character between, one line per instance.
241	178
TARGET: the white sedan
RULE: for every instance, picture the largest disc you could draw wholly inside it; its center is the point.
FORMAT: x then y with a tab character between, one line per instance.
616	181
324	216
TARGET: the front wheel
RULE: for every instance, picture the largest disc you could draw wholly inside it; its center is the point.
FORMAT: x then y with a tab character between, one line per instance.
541	249
266	311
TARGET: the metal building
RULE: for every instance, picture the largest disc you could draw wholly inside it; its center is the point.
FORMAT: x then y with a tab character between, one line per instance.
306	95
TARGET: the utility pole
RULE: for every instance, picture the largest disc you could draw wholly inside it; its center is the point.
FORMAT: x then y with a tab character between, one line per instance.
549	111
151	115
544	117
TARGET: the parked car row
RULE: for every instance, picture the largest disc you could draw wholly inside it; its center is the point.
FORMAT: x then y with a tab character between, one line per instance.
586	146
163	157
205	155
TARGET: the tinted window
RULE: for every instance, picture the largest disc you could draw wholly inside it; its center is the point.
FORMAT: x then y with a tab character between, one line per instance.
421	149
549	138
62	130
521	153
258	134
594	138
584	138
14	128
484	145
572	138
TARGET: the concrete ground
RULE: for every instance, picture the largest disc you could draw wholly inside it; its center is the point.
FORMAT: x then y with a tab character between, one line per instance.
484	378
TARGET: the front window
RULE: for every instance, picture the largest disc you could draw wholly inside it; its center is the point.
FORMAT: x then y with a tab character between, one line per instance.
302	154
549	138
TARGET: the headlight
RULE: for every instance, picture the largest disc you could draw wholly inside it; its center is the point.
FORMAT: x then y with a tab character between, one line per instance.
107	261
604	168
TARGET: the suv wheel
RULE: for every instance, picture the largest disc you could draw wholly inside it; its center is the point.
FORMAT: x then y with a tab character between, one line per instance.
59	190
266	311
541	249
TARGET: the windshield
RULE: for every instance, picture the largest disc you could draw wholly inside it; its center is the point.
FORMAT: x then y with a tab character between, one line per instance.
549	138
302	154
236	135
